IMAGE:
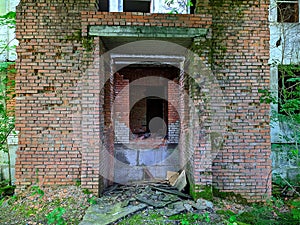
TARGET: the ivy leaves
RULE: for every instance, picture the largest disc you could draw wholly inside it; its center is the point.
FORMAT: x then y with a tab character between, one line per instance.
8	19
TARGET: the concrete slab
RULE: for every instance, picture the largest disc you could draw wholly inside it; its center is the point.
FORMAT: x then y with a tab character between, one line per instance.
124	174
131	162
127	156
99	215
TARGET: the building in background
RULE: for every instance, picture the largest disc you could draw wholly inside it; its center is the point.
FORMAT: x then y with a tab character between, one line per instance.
8	43
7	33
284	52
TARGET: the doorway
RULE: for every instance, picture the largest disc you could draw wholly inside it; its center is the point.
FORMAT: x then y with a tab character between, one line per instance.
157	115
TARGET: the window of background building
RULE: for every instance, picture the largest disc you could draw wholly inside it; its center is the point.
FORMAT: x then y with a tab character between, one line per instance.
147	6
136	6
288	90
287	11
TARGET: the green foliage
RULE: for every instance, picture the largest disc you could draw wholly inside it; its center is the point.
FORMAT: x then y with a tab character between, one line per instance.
296	210
237	198
6	189
266	96
176	6
232	220
92	200
55	217
287	99
8	20
77	182
86	191
270	214
7	120
225	212
206	193
87	42
36	190
191	218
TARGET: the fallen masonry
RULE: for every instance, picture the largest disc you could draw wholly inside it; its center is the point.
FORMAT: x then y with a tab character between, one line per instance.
120	201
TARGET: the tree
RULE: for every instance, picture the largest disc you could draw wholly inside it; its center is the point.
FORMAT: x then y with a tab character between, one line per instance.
7	119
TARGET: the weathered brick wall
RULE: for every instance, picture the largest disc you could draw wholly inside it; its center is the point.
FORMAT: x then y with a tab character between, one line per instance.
59	96
140	19
240	39
138	110
48	105
173	110
121	109
11	102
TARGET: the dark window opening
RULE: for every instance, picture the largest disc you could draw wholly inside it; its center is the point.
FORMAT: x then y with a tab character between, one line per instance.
102	5
157	108
288	90
192	6
149	115
288	12
136	6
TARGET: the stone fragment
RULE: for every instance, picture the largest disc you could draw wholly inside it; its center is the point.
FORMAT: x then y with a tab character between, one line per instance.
96	215
202	204
172	209
188	207
173	192
154	202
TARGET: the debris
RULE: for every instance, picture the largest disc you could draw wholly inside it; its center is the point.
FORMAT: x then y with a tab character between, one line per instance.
177	180
96	215
161	197
202	204
172	177
188	207
147	174
173	192
155	201
172	209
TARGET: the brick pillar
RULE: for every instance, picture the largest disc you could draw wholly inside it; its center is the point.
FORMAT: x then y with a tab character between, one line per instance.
173	116
107	164
121	109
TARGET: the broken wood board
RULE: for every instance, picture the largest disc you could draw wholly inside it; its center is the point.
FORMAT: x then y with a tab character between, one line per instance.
172	177
178	181
97	215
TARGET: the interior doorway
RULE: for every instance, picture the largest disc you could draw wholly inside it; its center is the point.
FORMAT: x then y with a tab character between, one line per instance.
157	112
144	90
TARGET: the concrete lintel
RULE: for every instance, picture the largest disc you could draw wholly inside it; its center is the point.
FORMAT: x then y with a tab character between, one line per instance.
148	32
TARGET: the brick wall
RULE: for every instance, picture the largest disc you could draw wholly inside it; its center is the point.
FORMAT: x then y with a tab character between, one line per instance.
121	109
64	129
48	109
240	39
138	110
173	110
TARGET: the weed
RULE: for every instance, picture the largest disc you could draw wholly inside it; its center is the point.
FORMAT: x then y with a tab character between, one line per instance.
232	220
1	201
86	191
55	217
192	218
37	190
77	182
92	200
296	210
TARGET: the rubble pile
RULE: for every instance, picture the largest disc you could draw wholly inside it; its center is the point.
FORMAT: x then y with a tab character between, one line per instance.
120	201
